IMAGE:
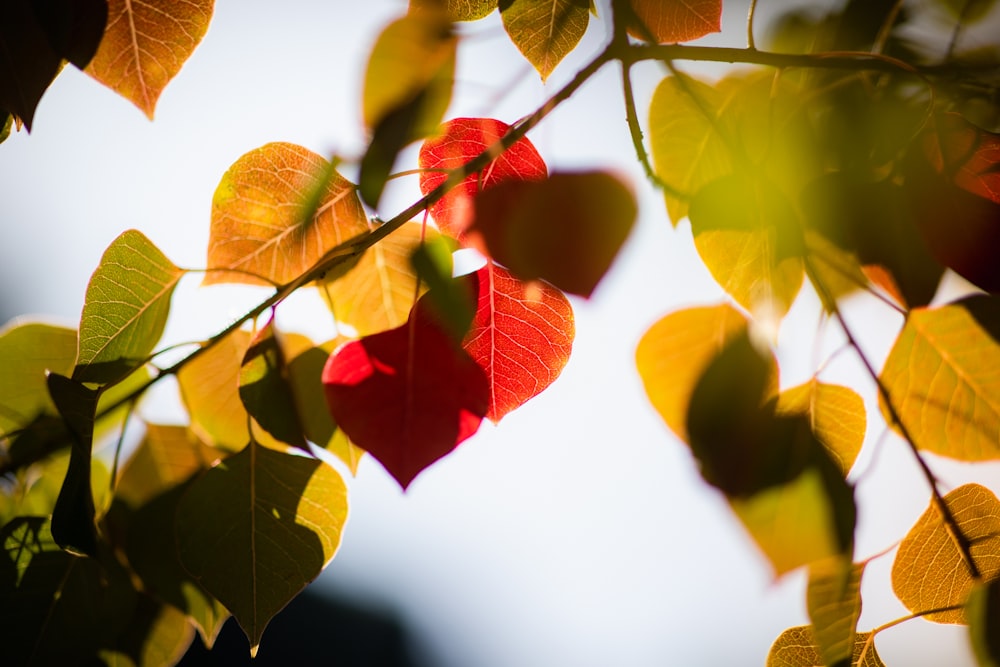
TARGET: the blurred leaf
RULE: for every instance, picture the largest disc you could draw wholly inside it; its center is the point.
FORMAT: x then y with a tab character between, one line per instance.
6	123
983	612
407	396
266	226
256	561
459	141
940	376
450	297
833	598
796	647
457	10
521	336
157	634
929	572
73	515
110	423
566	229
43	482
669	21
125	310
836	416
968	11
145	45
378	292
210	389
166	457
545	31
407	90
27	351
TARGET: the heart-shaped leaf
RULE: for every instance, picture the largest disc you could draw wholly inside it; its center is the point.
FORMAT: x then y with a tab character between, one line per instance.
669	21
797	647
545	31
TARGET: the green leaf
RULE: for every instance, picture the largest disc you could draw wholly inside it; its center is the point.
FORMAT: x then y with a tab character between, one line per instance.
73	516
125	309
941	378
27	351
157	634
6	123
833	598
983	612
256	561
796	647
545	31
449	296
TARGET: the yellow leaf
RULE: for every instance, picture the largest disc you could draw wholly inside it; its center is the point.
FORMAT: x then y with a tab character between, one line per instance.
929	572
796	647
145	44
264	227
457	10
833	598
836	416
545	31
167	456
674	352
379	291
210	389
941	375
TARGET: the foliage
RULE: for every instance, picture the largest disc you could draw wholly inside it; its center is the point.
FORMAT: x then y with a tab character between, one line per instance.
852	156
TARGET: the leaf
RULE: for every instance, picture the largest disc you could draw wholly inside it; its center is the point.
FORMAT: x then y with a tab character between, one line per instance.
165	458
457	10
74	28
545	31
966	154
521	336
669	21
209	387
983	612
566	229
256	561
27	351
73	516
125	309
266	389
929	572
266	228
796	647
940	376
461	140
833	598
407	396
145	45
450	297
157	634
836	416
378	292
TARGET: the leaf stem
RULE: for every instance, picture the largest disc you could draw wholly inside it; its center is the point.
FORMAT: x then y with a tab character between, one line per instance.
635	131
893	623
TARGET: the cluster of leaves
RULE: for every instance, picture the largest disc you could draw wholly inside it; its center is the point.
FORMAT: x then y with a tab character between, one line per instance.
861	162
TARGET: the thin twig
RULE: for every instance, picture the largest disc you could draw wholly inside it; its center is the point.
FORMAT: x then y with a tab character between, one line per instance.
635	131
751	44
895	622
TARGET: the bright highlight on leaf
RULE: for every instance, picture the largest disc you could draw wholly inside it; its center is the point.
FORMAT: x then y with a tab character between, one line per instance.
796	647
276	211
461	140
545	31
146	44
210	389
521	336
929	572
407	396
669	21
29	349
941	377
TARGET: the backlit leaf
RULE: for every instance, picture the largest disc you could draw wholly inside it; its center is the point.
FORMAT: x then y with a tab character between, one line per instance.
966	154
275	523
407	396
669	21
929	572
210	389
796	647
73	516
146	44
983	612
836	415
521	336
377	293
674	352
460	140
545	30
941	377
166	457
458	10
157	634
833	598
450	297
27	351
266	226
125	309
566	229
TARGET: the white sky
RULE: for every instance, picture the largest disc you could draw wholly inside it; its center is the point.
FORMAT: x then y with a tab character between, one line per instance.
578	532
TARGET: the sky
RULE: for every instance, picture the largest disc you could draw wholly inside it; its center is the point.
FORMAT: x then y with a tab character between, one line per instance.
576	532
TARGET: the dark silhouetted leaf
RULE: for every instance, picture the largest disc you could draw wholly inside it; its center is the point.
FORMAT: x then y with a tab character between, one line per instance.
669	21
796	647
157	634
566	229
274	524
407	396
983	613
125	310
545	31
836	415
74	27
28	64
28	350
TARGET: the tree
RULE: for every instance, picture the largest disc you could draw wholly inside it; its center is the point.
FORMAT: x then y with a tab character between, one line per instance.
852	157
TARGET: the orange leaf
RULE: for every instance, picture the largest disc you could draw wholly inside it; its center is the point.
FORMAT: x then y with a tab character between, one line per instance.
521	336
262	230
145	44
796	647
669	21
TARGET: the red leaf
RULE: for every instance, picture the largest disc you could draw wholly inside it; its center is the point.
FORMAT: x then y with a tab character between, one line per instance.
670	21
566	229
521	336
408	396
461	140
966	154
